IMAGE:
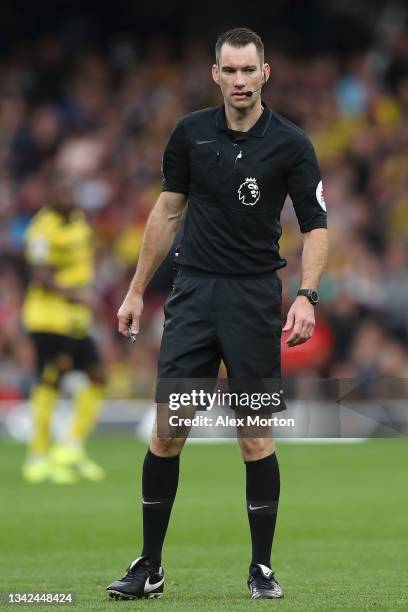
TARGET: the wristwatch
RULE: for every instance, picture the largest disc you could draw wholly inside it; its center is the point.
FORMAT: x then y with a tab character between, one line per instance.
311	295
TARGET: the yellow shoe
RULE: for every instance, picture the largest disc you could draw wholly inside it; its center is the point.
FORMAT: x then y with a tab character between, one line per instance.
64	455
90	470
36	470
44	469
63	474
77	459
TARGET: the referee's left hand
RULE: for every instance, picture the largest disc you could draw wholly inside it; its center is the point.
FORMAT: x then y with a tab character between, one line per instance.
300	320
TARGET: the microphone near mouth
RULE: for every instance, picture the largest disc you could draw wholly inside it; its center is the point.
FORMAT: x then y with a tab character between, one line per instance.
250	93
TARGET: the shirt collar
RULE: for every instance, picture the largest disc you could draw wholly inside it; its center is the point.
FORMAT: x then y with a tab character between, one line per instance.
258	130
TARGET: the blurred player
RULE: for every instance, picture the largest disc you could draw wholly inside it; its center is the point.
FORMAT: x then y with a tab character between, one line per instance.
58	316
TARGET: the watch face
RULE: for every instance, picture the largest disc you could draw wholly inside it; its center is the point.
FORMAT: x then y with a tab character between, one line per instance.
314	296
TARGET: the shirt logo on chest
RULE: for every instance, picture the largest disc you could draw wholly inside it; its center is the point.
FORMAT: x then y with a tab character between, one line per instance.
249	192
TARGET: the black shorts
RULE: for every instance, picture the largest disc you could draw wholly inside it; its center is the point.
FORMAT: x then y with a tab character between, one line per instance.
209	318
57	354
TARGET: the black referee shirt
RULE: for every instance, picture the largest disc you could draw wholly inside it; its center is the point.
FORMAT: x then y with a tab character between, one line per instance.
236	184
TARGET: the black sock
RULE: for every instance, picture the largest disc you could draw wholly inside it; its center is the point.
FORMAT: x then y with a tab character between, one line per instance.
262	492
159	487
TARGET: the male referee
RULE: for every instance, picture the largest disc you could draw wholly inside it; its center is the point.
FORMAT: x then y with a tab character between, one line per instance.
235	165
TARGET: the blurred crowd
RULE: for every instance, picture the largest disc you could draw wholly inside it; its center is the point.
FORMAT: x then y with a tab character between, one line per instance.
104	118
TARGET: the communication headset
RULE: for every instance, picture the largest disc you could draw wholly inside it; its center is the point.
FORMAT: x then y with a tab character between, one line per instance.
250	93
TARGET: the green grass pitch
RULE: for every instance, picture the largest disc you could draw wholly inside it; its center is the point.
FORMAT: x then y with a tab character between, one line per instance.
341	541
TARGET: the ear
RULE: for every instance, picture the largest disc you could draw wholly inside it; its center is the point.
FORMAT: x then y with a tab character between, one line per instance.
215	74
266	71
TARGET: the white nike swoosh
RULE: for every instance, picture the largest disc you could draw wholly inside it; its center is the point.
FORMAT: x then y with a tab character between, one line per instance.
257	507
148	588
147	502
200	142
265	570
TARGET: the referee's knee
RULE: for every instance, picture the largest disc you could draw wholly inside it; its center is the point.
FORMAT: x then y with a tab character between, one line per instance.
166	447
253	449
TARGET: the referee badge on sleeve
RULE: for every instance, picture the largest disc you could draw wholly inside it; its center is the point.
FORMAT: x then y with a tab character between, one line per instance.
320	195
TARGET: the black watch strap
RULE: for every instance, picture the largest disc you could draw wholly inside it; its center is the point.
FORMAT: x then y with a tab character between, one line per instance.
311	295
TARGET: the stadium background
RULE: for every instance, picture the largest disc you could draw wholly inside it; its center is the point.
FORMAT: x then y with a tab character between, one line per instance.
97	91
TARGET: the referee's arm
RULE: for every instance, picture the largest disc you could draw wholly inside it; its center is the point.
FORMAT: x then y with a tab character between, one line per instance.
301	317
161	227
160	232
306	190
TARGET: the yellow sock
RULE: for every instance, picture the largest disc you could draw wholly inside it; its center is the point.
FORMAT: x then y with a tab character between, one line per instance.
87	405
43	399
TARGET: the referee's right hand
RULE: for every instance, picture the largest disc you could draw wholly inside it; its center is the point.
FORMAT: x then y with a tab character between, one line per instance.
129	314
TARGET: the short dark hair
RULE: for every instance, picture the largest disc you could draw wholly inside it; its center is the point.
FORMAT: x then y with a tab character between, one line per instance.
239	37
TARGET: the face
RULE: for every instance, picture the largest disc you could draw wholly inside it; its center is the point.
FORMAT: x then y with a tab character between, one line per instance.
240	70
63	196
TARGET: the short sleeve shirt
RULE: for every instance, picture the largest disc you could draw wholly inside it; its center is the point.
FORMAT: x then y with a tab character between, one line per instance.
236	184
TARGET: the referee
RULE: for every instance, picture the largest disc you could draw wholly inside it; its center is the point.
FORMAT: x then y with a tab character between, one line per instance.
234	165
